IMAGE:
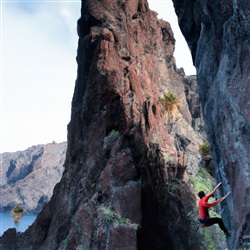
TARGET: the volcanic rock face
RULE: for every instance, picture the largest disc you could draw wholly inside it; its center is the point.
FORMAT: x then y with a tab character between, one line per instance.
29	176
218	35
125	184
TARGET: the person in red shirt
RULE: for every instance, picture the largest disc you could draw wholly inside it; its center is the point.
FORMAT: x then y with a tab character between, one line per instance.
203	206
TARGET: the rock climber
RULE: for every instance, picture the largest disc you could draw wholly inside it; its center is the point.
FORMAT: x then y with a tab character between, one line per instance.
203	206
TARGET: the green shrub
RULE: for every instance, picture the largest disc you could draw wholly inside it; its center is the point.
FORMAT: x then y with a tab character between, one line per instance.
169	159
116	219
65	241
202	181
17	209
204	149
111	137
17	212
169	100
208	240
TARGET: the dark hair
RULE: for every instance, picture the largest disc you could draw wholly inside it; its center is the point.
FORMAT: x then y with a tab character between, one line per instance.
201	194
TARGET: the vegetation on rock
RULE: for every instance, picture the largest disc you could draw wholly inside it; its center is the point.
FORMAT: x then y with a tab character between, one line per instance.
111	137
17	212
205	149
65	242
169	100
168	159
116	219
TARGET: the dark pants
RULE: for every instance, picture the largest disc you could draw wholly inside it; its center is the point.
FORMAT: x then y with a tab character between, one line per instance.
212	221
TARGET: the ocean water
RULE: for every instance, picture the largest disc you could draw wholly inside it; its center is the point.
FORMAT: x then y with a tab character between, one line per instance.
6	222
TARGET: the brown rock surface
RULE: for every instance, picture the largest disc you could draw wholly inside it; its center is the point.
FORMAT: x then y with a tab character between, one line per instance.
128	158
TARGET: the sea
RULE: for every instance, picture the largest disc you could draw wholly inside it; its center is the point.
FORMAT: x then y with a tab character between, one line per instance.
7	222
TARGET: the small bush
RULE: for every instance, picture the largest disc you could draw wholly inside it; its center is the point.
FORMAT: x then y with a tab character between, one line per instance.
205	149
17	209
65	241
116	219
168	159
17	212
169	100
111	137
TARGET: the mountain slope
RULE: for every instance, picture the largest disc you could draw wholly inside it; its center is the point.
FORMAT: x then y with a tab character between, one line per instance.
29	176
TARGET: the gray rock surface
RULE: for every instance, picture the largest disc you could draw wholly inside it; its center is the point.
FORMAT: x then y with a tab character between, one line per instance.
217	33
29	176
125	184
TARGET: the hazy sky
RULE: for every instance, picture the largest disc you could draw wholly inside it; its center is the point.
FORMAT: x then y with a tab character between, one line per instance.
38	68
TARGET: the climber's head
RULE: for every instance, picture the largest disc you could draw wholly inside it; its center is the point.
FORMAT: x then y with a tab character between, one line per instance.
201	194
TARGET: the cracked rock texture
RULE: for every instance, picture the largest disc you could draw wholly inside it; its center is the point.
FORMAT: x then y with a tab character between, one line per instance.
218	34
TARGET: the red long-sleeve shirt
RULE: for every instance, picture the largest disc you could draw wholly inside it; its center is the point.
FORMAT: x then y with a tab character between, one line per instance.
204	206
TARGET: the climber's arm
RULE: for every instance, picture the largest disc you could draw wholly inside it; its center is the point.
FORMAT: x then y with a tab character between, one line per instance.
216	188
218	201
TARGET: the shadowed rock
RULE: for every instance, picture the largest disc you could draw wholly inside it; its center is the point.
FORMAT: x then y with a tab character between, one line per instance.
217	33
125	184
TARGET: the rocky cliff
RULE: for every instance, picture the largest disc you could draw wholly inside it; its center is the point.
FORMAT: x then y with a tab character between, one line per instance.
218	34
133	141
28	177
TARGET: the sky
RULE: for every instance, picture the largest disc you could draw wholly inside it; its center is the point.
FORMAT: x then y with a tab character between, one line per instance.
38	68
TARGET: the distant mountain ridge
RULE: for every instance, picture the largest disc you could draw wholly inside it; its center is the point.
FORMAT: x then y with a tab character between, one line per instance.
29	176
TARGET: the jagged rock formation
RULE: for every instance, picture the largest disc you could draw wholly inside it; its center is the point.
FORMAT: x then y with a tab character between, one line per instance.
28	177
128	157
218	34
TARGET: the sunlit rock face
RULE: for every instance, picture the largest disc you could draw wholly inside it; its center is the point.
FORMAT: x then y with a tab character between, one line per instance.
218	35
28	177
125	184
